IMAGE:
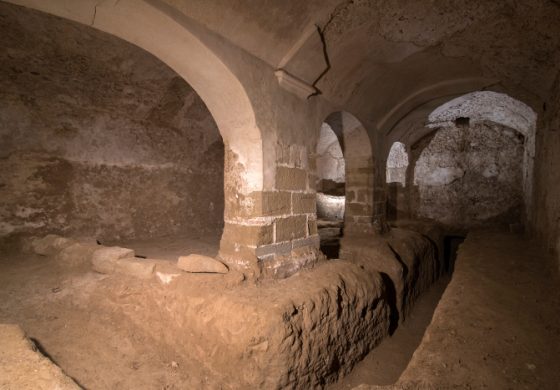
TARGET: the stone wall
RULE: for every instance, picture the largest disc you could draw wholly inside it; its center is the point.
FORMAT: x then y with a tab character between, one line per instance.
547	184
100	138
469	176
397	164
330	163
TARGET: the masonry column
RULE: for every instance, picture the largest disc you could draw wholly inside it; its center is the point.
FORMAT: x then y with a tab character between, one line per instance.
273	233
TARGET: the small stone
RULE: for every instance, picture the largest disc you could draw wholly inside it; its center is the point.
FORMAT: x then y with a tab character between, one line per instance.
198	264
104	260
50	244
142	269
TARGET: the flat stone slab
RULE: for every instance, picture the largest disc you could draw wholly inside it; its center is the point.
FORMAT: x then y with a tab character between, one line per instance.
104	260
201	264
22	367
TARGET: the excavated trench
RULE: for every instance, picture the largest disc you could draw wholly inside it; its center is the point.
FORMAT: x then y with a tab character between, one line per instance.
385	364
158	333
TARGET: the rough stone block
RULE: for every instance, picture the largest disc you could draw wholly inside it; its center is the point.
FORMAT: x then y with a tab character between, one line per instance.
264	203
359	180
274	249
312	162
104	260
275	203
312	227
303	203
291	227
358	209
291	179
363	196
138	268
77	254
50	244
248	234
312	184
312	241
201	264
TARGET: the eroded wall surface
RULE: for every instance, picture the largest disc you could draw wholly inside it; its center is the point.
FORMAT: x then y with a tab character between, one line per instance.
97	137
469	176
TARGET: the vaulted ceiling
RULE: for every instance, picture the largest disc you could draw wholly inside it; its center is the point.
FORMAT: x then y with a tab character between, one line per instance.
386	57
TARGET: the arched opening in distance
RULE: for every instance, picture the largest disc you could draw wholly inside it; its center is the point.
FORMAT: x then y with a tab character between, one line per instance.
344	152
475	167
331	190
396	169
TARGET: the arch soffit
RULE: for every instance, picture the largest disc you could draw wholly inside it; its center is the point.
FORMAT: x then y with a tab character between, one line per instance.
351	133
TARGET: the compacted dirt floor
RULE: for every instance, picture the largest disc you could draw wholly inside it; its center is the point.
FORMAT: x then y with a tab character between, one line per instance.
99	350
496	326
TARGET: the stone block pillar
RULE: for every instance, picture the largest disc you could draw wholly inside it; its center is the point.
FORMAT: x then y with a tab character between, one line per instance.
273	233
358	214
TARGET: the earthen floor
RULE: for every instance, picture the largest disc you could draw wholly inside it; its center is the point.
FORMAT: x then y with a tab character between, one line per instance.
497	325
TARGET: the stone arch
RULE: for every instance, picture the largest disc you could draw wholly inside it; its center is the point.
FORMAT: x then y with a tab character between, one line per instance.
362	209
416	99
499	108
331	175
151	26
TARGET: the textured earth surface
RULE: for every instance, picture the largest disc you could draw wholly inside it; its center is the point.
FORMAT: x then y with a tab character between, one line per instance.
198	329
496	325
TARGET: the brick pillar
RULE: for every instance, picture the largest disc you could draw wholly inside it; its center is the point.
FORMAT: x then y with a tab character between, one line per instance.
273	234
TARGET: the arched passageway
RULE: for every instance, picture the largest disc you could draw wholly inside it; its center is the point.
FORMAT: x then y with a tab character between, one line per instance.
345	180
499	108
331	190
471	162
114	146
167	36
